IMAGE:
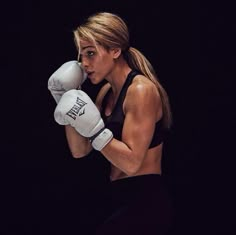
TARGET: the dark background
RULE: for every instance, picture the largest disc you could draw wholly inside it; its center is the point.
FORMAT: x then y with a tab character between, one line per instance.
191	45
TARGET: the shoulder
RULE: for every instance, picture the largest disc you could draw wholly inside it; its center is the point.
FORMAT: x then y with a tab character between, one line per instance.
101	94
142	92
142	87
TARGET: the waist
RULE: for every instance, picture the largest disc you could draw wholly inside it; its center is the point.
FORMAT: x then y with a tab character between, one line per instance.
136	184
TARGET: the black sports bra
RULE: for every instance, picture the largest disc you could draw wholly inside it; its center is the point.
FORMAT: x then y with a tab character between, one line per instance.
115	121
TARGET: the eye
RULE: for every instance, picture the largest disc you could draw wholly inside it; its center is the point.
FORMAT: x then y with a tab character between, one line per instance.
87	54
90	53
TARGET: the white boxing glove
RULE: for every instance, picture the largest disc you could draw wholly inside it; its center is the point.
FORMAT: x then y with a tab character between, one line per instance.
68	76
76	108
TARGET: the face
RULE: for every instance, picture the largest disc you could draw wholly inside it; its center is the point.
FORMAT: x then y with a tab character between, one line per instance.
96	60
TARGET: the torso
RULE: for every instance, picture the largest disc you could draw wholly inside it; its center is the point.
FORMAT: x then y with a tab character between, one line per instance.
152	160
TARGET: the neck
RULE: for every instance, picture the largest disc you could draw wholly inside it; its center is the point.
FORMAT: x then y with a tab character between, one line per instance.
118	76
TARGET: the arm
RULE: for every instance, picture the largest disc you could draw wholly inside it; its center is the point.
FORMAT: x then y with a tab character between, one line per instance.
78	145
142	108
70	75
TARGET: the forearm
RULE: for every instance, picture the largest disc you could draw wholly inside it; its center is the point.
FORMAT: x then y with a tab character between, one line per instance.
121	156
79	145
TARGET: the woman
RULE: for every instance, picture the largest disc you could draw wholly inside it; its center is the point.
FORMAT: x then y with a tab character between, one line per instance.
135	109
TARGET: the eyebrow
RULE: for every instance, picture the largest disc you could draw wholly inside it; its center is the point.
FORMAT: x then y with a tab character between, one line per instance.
83	48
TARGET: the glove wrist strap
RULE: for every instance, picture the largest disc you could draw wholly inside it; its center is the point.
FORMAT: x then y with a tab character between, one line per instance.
92	138
101	139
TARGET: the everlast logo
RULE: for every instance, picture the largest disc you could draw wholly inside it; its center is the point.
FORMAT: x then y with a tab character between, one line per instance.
79	104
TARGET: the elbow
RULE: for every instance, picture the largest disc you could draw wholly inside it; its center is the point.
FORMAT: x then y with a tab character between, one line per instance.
133	169
134	165
78	154
81	152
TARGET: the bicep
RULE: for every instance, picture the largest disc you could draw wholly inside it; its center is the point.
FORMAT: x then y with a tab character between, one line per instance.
139	124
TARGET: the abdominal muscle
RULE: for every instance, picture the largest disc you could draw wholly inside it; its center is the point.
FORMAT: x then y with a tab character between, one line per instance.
150	165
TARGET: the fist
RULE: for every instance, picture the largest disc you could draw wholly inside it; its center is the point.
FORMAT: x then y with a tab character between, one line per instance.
68	76
76	108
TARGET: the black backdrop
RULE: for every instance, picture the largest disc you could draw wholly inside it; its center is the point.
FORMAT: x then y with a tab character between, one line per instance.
191	47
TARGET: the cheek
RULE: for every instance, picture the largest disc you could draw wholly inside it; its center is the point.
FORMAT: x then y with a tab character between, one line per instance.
105	64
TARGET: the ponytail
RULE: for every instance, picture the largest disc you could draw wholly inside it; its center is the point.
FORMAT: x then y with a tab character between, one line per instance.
137	61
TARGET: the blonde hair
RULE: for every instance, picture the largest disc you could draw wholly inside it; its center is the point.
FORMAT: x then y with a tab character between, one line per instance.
110	31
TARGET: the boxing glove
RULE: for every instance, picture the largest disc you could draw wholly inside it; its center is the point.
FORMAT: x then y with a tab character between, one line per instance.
76	108
68	76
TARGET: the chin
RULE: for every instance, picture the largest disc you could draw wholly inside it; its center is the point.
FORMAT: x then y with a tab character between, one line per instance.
93	81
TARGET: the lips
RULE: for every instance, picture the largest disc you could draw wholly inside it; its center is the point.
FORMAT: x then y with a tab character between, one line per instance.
89	73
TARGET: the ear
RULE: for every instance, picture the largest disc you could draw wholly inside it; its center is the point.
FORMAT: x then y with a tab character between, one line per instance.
116	52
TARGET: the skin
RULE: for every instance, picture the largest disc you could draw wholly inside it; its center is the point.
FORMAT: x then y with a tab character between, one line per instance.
142	108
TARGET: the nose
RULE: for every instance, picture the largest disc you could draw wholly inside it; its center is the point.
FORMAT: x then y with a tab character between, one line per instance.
84	64
84	61
81	60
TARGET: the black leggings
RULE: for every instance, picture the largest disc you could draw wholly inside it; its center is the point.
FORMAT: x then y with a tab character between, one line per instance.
139	205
